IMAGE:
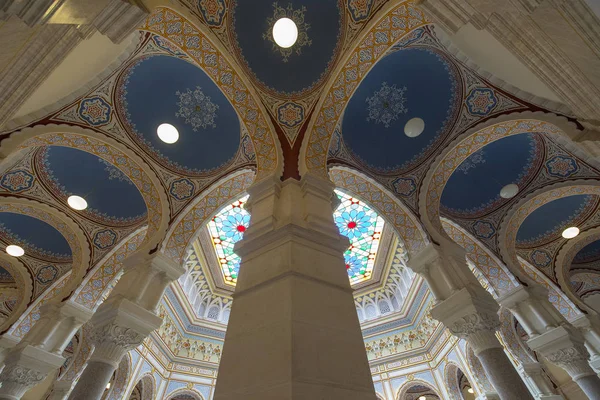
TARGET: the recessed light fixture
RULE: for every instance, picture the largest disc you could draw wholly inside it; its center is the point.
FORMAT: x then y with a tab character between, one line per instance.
14	250
571	232
470	390
77	203
422	398
285	32
509	191
108	386
167	133
414	127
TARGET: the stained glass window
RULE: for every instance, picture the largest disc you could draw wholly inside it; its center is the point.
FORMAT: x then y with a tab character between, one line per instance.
354	219
363	227
226	229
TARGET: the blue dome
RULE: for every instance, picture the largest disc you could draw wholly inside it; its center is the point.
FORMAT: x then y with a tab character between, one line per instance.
164	89
408	83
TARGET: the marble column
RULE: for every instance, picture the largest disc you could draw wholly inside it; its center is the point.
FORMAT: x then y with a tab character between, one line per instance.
552	336
469	312
60	390
538	382
125	319
293	332
40	352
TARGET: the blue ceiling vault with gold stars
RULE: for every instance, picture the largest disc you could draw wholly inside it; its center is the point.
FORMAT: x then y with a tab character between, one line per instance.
247	109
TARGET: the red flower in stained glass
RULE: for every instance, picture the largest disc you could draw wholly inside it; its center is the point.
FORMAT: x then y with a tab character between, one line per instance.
351	225
241	228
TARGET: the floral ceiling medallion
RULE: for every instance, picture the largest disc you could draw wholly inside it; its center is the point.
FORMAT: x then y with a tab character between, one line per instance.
386	104
197	109
296	15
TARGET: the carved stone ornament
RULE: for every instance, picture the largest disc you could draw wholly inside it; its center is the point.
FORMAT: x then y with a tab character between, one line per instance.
21	376
573	359
474	323
115	335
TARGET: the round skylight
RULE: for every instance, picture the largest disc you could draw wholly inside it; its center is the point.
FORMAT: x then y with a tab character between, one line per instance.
509	191
414	127
571	232
167	133
77	203
285	32
14	250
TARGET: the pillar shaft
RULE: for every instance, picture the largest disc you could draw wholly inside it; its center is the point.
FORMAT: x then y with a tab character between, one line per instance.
502	374
293	332
93	380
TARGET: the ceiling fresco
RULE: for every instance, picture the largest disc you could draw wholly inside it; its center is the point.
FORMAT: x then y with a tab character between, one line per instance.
320	29
407	83
164	89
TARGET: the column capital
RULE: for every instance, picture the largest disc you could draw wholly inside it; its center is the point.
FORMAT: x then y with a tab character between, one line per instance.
564	346
120	326
25	367
470	314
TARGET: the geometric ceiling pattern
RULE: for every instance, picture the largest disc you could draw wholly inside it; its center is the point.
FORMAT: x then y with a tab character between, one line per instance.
339	100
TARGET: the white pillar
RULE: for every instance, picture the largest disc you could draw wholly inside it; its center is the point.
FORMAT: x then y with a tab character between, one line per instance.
293	332
125	319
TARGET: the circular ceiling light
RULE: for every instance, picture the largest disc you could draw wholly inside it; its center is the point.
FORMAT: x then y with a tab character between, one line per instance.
14	250
414	127
108	386
285	32
470	390
167	133
509	191
422	398
77	203
571	232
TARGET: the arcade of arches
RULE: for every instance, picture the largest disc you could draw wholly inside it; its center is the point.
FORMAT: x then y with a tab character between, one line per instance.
404	204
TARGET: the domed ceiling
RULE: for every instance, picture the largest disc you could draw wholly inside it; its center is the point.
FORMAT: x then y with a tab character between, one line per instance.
588	258
516	159
36	237
407	83
112	198
162	89
293	70
547	222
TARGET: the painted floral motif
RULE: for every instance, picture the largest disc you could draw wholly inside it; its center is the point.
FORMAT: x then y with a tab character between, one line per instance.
386	104
290	114
472	162
481	101
227	228
105	239
360	9
540	258
197	109
484	229
46	274
114	172
296	15
212	11
17	181
363	227
562	166
404	186
182	189
95	110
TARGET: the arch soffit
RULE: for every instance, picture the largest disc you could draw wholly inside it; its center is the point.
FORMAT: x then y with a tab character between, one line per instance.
188	391
69	229
509	227
98	280
381	33
217	64
496	273
564	259
473	140
24	283
186	226
389	207
451	368
102	146
408	384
